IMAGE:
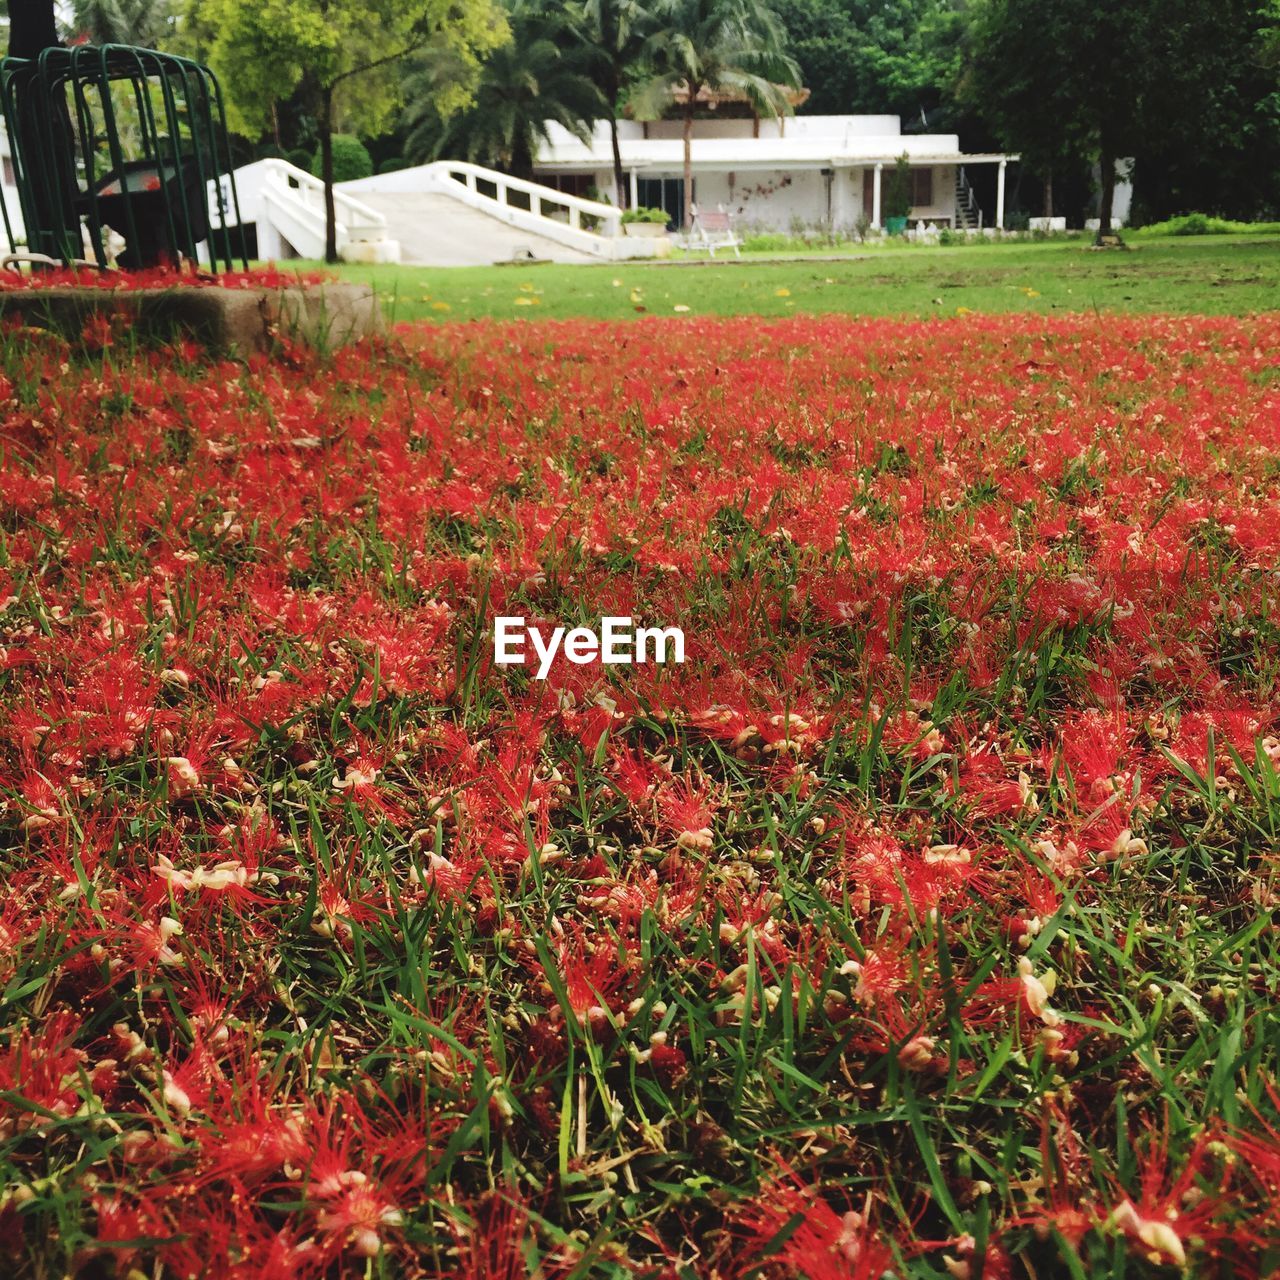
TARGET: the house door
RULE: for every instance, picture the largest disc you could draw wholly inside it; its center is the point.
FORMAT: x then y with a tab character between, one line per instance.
664	193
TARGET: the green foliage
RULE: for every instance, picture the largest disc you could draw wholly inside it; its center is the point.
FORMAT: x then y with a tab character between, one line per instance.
897	190
537	78
1063	81
1219	151
864	56
736	48
615	35
645	215
299	157
140	22
351	159
1202	224
393	164
266	50
342	58
733	47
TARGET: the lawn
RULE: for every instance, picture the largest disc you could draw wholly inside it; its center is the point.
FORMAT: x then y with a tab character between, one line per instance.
1228	275
920	922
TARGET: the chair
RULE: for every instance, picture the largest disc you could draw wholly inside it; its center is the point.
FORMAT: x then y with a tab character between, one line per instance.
712	231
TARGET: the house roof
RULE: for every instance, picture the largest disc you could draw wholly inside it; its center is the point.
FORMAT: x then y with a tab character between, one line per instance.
713	98
568	154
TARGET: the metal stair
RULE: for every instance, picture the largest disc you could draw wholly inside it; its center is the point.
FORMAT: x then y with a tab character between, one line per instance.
968	210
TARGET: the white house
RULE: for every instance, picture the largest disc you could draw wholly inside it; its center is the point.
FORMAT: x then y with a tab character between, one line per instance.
776	175
9	194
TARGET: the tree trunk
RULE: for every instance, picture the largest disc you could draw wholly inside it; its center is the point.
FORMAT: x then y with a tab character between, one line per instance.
326	175
1048	194
621	193
1107	202
31	27
688	161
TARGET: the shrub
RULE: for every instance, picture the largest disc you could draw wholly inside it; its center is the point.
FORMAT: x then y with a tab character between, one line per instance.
773	242
300	158
897	193
645	215
351	159
1203	224
393	165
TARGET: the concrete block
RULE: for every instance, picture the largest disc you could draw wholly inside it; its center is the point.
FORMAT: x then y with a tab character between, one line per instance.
225	320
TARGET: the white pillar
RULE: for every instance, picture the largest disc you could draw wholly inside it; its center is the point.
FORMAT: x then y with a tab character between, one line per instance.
270	244
875	197
1000	197
635	189
839	181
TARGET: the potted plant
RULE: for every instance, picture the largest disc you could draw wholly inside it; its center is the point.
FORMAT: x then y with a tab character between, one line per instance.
897	197
650	223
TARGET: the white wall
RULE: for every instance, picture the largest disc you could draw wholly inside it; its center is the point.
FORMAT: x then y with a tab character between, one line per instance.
13	207
779	200
809	127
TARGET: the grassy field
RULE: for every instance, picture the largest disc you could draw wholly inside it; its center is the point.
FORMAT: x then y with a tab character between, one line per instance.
919	924
1212	275
916	923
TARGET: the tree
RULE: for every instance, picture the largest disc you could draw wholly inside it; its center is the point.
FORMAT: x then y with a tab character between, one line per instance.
870	56
265	50
32	27
1025	91
897	195
1223	158
539	77
617	32
736	47
1091	79
147	23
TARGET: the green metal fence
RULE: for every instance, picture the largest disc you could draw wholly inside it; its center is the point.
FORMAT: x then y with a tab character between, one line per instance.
111	138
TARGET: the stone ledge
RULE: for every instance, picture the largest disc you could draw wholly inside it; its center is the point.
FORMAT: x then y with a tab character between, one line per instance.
222	319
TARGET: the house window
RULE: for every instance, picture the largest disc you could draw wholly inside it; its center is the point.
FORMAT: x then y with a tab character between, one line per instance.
572	184
921	188
665	193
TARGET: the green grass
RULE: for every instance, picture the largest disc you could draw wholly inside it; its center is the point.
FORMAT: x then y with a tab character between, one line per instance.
1216	276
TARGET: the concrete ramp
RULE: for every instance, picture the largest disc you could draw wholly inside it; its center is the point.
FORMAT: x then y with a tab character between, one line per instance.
436	230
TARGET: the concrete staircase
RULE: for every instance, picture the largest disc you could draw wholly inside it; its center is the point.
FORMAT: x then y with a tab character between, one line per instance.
447	214
436	230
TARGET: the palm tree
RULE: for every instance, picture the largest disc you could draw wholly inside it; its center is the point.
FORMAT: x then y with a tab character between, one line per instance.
618	34
147	23
735	47
537	79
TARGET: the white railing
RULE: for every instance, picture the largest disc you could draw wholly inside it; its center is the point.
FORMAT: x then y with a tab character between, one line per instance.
967	206
293	202
586	225
544	204
300	190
